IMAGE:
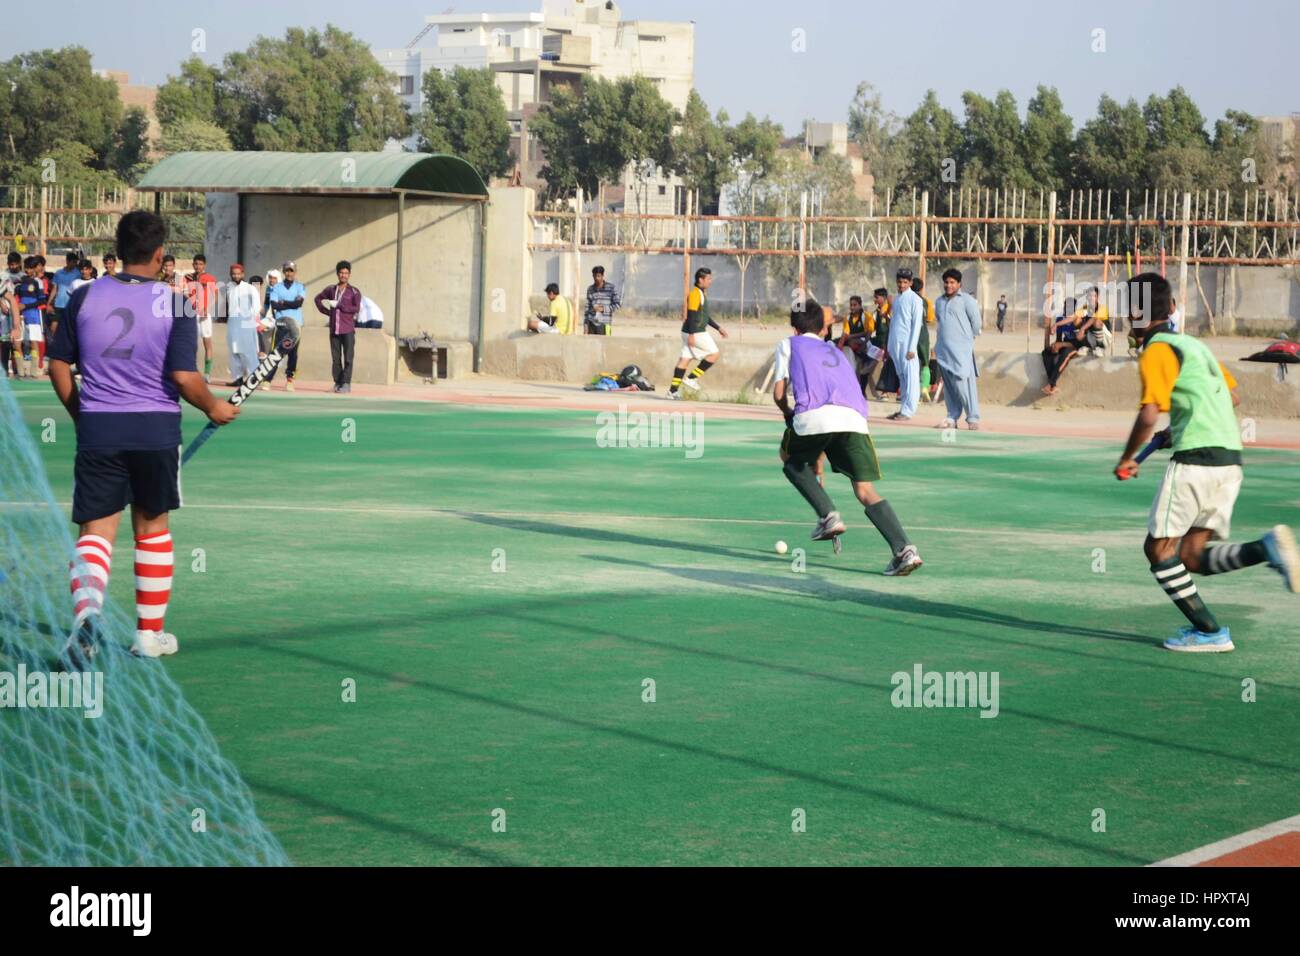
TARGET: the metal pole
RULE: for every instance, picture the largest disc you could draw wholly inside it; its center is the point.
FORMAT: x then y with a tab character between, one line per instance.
803	243
1051	265
577	260
1182	266
924	243
397	295
482	289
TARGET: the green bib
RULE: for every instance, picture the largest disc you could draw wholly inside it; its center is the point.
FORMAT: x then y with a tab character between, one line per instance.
1200	410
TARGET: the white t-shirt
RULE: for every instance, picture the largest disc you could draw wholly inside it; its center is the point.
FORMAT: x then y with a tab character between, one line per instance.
370	312
828	418
78	282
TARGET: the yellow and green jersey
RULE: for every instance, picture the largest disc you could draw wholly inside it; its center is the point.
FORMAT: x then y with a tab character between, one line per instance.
1181	376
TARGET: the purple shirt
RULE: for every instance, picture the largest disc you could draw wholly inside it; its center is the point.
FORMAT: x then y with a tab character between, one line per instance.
821	375
343	317
121	333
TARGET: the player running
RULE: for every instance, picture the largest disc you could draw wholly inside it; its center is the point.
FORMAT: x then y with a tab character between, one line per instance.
1193	507
697	343
136	359
817	391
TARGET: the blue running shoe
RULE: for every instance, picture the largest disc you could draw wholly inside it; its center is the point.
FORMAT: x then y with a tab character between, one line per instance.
1283	557
1190	639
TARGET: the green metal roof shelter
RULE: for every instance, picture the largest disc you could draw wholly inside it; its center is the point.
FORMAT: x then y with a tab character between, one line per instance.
382	173
389	175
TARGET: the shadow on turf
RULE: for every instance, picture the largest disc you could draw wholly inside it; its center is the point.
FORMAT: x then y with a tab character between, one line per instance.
887	689
896	602
378	823
751	763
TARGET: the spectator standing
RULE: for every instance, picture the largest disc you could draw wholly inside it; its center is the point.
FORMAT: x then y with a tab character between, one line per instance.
958	320
47	304
906	319
602	303
201	287
8	314
285	299
243	303
342	303
30	296
856	334
86	274
110	264
11	343
62	281
1002	311
266	318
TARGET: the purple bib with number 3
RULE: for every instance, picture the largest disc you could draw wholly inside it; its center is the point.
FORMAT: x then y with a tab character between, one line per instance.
122	334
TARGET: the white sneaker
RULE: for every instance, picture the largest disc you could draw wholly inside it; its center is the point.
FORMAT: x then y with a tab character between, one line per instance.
904	563
673	397
154	644
691	383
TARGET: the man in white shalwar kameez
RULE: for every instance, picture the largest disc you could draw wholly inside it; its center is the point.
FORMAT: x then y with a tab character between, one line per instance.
243	308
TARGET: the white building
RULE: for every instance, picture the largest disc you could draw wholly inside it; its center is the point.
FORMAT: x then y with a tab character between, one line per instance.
533	53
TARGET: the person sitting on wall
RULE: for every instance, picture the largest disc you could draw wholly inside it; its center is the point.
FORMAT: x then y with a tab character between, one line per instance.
560	319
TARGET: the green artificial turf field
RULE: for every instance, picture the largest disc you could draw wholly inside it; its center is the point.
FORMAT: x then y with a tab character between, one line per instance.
499	587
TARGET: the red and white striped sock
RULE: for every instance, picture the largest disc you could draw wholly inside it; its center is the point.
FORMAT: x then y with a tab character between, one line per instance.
88	576
153	580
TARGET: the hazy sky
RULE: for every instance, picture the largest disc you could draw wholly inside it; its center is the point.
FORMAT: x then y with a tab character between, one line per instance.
1227	55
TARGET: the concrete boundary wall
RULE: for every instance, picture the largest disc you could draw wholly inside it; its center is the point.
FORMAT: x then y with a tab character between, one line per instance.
1006	378
1244	299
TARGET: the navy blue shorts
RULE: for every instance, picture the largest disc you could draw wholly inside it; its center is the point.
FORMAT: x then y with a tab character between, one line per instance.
105	482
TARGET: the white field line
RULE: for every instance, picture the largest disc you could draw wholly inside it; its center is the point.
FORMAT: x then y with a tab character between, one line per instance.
587	516
1240	841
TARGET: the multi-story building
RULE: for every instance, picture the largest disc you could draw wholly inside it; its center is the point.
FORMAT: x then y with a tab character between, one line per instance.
135	94
533	54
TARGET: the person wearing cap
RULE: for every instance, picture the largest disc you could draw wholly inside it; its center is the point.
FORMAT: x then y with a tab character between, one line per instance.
602	303
957	316
285	299
906	317
243	302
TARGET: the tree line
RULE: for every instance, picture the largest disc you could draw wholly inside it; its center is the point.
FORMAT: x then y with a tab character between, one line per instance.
322	90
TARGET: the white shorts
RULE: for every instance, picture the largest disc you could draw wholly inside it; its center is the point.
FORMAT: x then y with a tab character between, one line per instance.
704	345
1195	496
33	332
205	327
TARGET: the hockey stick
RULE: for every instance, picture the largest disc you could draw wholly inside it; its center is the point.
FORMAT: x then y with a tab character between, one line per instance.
286	336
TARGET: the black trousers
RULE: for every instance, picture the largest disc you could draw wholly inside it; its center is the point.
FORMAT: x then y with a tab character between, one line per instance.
290	363
342	348
1054	362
